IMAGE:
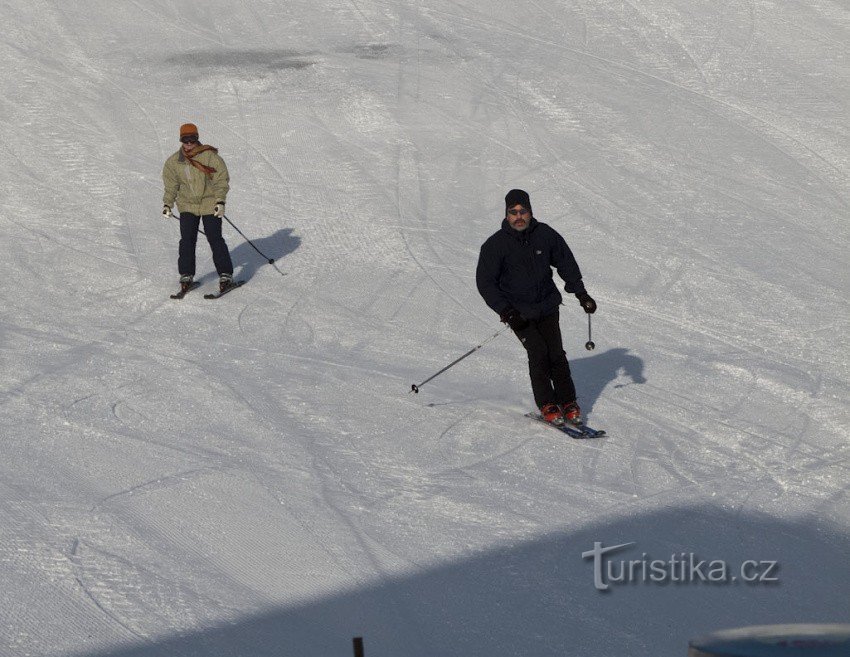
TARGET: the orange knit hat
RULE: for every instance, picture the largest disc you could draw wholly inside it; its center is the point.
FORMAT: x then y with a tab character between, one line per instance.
188	129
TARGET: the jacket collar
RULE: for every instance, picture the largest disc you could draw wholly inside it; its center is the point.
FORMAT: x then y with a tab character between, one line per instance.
181	154
519	235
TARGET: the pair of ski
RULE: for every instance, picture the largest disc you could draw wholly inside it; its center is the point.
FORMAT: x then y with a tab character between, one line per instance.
578	431
217	295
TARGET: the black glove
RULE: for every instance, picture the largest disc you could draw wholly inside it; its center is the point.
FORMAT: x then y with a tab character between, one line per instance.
512	318
586	302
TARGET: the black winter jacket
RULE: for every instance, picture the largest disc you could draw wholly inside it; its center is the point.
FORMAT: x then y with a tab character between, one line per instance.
515	270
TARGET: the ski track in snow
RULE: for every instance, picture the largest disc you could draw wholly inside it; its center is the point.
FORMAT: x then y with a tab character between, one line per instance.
179	469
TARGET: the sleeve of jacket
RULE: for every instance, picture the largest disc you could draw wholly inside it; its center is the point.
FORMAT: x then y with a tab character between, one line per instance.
564	261
220	179
170	182
487	278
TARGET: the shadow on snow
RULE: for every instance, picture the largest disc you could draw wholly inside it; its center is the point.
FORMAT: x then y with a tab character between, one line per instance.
537	598
276	246
592	374
246	261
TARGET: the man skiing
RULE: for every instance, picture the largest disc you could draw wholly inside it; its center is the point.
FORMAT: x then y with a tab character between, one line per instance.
197	178
514	276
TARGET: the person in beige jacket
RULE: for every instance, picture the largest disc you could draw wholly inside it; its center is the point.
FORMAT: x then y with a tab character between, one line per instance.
196	178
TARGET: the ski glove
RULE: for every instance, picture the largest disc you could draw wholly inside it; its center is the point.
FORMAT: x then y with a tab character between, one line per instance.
218	211
512	318
166	211
587	302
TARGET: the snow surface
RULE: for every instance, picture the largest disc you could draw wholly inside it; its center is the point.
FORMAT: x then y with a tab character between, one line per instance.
252	477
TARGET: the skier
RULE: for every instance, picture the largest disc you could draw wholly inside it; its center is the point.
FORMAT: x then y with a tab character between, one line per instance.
514	276
197	178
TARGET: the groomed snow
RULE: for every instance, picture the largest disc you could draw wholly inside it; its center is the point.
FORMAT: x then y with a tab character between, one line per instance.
252	477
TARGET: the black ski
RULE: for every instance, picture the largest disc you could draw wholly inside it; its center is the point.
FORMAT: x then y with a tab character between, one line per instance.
183	293
229	288
572	430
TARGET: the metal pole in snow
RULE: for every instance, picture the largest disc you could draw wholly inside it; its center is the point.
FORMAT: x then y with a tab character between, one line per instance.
415	387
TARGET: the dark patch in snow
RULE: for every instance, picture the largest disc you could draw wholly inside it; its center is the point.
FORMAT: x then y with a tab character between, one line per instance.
376	51
272	60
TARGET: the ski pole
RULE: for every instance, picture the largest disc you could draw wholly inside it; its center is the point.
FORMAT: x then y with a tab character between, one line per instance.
589	344
415	387
270	260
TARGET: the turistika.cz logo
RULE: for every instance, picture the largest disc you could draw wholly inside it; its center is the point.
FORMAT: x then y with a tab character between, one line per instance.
681	568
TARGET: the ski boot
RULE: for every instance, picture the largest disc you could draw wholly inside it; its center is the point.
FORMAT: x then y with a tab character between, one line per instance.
186	283
552	414
571	413
224	281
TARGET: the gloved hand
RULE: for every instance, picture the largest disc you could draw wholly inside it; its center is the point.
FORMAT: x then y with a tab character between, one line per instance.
586	302
512	318
166	212
218	211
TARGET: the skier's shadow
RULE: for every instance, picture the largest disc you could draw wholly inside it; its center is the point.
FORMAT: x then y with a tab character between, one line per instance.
593	373
275	246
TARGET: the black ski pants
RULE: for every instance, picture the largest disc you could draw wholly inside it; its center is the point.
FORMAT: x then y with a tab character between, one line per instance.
189	224
551	380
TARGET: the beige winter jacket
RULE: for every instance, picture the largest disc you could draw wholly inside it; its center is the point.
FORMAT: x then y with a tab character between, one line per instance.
193	190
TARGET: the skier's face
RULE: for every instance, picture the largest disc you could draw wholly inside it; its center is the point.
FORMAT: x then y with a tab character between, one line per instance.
518	217
189	142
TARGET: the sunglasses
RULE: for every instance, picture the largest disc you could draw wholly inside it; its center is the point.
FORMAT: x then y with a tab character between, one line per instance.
190	139
516	213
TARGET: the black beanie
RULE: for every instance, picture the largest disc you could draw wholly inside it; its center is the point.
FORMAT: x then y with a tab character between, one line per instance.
517	196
